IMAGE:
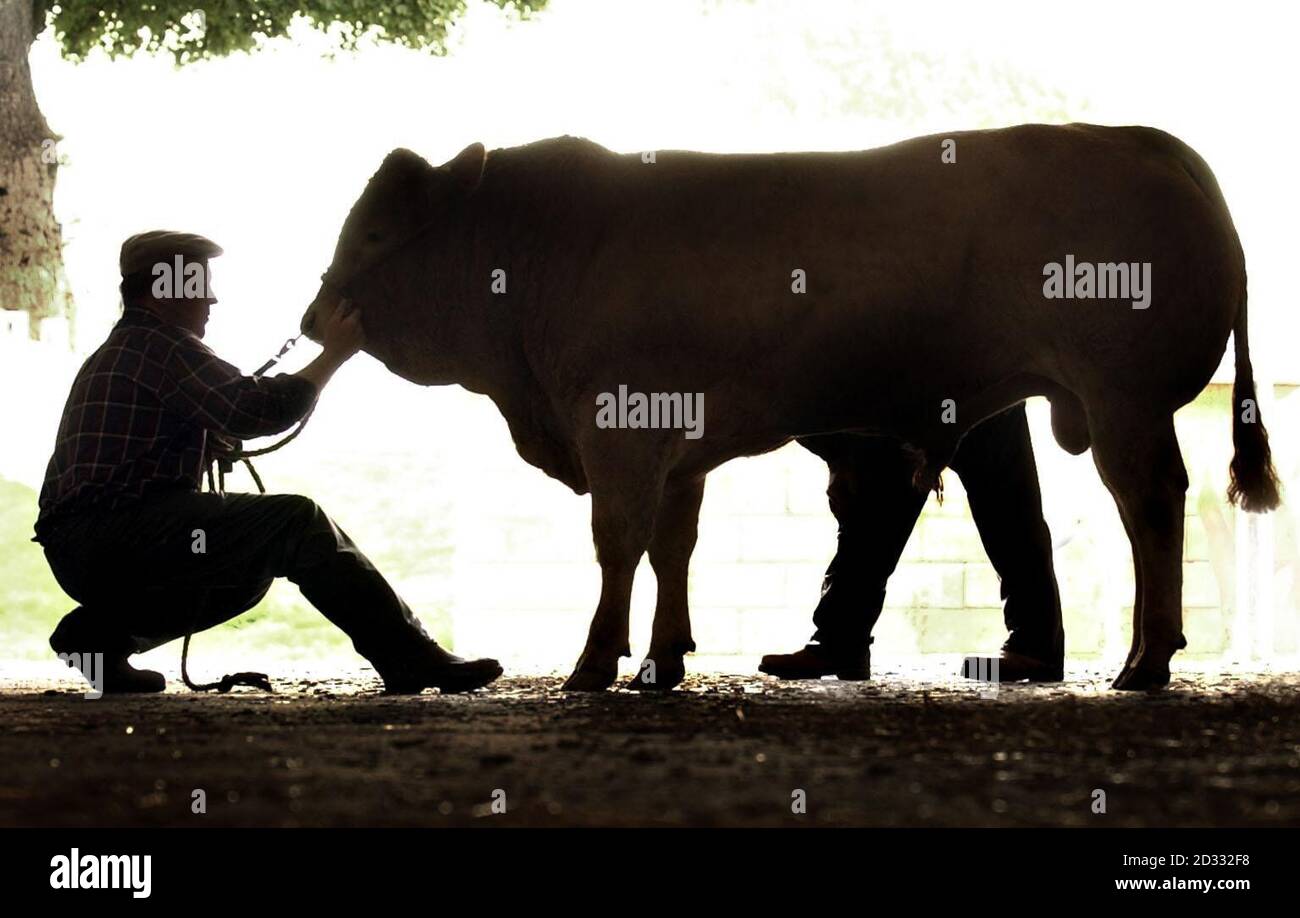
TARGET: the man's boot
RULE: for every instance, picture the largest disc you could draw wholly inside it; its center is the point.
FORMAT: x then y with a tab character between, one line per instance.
75	635
1019	661
436	668
818	660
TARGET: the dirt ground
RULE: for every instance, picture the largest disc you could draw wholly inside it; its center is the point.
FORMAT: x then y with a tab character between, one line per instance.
913	747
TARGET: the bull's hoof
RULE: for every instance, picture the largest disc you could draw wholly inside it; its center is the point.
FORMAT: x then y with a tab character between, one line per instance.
1138	678
661	675
588	677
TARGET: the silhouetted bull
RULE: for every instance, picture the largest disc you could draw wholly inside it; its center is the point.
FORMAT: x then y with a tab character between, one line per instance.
937	293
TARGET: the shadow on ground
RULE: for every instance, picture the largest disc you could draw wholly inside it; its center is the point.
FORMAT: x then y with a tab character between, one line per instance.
725	750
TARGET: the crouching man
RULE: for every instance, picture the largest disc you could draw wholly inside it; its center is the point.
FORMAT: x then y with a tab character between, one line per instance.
150	558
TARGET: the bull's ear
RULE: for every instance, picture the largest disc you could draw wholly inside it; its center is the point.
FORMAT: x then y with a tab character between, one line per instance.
403	162
467	167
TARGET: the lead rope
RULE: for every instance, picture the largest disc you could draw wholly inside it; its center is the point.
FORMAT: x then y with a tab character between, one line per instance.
224	464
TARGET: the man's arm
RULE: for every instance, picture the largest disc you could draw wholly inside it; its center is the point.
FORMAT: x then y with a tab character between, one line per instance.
203	387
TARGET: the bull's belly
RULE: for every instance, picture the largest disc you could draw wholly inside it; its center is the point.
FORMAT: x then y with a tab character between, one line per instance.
730	427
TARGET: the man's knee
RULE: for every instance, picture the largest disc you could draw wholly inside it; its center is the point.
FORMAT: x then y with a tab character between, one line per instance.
313	537
299	504
302	511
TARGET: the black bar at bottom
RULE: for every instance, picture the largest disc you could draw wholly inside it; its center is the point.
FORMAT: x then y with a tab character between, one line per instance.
972	867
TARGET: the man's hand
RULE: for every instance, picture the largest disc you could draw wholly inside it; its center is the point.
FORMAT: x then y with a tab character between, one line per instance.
220	448
341	333
222	445
341	336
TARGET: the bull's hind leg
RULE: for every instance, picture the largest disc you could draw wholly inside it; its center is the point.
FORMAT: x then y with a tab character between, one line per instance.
676	526
1070	429
1132	533
626	488
1143	468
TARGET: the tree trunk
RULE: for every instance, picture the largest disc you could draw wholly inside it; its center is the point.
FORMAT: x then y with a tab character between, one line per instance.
31	240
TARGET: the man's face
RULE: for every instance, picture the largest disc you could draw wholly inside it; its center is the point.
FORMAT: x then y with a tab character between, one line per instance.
190	312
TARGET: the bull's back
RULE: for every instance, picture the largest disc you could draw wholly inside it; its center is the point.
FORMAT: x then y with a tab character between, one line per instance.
916	273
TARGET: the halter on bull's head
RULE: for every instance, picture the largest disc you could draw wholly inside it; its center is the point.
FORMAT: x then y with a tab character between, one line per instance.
403	200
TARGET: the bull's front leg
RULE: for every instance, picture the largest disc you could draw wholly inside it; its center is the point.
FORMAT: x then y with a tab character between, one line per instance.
622	518
671	545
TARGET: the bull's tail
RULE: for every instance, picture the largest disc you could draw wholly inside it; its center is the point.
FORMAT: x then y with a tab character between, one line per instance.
1253	485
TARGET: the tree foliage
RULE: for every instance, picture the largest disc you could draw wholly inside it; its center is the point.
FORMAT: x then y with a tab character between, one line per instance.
197	29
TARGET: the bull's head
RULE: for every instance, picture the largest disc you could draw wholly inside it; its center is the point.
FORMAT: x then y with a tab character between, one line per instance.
402	203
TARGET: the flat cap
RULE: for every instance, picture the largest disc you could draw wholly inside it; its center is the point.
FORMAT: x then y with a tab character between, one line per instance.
143	250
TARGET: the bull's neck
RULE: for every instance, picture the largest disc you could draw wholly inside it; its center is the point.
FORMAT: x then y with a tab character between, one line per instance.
505	258
524	238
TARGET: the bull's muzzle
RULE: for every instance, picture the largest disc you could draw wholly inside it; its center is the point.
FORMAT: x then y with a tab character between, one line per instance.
308	321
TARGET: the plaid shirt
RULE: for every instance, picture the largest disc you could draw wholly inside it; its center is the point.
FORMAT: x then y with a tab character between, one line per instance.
142	412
